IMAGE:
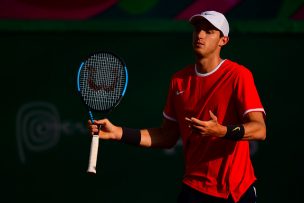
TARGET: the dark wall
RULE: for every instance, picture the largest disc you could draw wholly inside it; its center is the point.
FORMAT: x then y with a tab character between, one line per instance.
44	120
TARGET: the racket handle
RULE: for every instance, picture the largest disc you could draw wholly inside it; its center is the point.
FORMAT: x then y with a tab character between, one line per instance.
93	154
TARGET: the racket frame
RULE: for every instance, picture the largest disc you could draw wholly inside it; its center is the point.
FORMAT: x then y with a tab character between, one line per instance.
95	138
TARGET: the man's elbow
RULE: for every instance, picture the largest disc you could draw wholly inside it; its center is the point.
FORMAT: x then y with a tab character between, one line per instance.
262	134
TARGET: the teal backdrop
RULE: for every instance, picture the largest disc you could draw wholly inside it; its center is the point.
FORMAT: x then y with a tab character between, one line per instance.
45	143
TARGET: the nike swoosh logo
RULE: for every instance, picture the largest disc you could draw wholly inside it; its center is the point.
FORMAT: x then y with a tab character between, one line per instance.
236	128
179	92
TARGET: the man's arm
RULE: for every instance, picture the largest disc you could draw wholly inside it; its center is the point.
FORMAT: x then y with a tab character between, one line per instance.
254	126
165	136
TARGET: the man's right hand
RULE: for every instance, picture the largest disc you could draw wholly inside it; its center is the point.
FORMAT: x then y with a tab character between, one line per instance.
106	130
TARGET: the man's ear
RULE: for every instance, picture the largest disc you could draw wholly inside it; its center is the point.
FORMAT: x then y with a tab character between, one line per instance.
224	40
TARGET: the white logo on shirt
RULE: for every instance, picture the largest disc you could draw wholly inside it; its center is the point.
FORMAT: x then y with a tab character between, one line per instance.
179	92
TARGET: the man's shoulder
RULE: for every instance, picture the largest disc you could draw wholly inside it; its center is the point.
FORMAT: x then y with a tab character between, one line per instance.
184	72
235	66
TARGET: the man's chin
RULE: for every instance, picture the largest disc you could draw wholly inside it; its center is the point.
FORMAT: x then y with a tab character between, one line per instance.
198	52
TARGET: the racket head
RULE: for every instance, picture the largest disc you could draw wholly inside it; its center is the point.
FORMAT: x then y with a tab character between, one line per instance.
102	81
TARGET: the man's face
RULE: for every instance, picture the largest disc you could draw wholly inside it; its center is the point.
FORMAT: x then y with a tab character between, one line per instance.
206	38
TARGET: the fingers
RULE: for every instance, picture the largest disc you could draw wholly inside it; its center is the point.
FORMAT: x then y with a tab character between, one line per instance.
195	124
188	121
213	117
204	128
101	122
94	127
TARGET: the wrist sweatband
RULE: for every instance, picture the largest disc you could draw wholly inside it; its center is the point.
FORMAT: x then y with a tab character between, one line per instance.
235	132
130	136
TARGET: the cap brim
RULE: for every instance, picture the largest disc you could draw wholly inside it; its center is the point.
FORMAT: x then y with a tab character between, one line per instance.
201	19
194	19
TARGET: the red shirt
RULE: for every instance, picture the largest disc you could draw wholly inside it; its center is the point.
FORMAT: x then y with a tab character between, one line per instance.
213	165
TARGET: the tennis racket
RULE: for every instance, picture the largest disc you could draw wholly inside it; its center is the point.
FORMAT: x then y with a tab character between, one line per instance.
102	81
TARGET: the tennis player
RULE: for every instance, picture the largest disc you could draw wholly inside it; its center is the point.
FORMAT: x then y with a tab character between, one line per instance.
214	106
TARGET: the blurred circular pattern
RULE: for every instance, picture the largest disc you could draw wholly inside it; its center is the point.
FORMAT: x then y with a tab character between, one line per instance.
37	127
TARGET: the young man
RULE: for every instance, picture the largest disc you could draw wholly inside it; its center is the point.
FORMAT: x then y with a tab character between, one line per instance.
215	107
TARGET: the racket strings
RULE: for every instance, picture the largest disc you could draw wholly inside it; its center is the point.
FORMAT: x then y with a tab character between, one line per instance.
102	81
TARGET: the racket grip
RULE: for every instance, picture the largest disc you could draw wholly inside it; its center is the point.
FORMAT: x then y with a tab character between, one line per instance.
93	154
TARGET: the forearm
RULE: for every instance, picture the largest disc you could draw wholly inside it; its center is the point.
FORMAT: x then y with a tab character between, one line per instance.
157	138
146	138
152	137
248	131
165	136
254	131
254	128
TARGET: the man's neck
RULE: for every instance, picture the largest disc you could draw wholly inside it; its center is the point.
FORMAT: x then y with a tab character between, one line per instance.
206	65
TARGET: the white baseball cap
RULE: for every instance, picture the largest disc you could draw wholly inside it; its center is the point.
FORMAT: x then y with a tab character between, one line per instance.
217	19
